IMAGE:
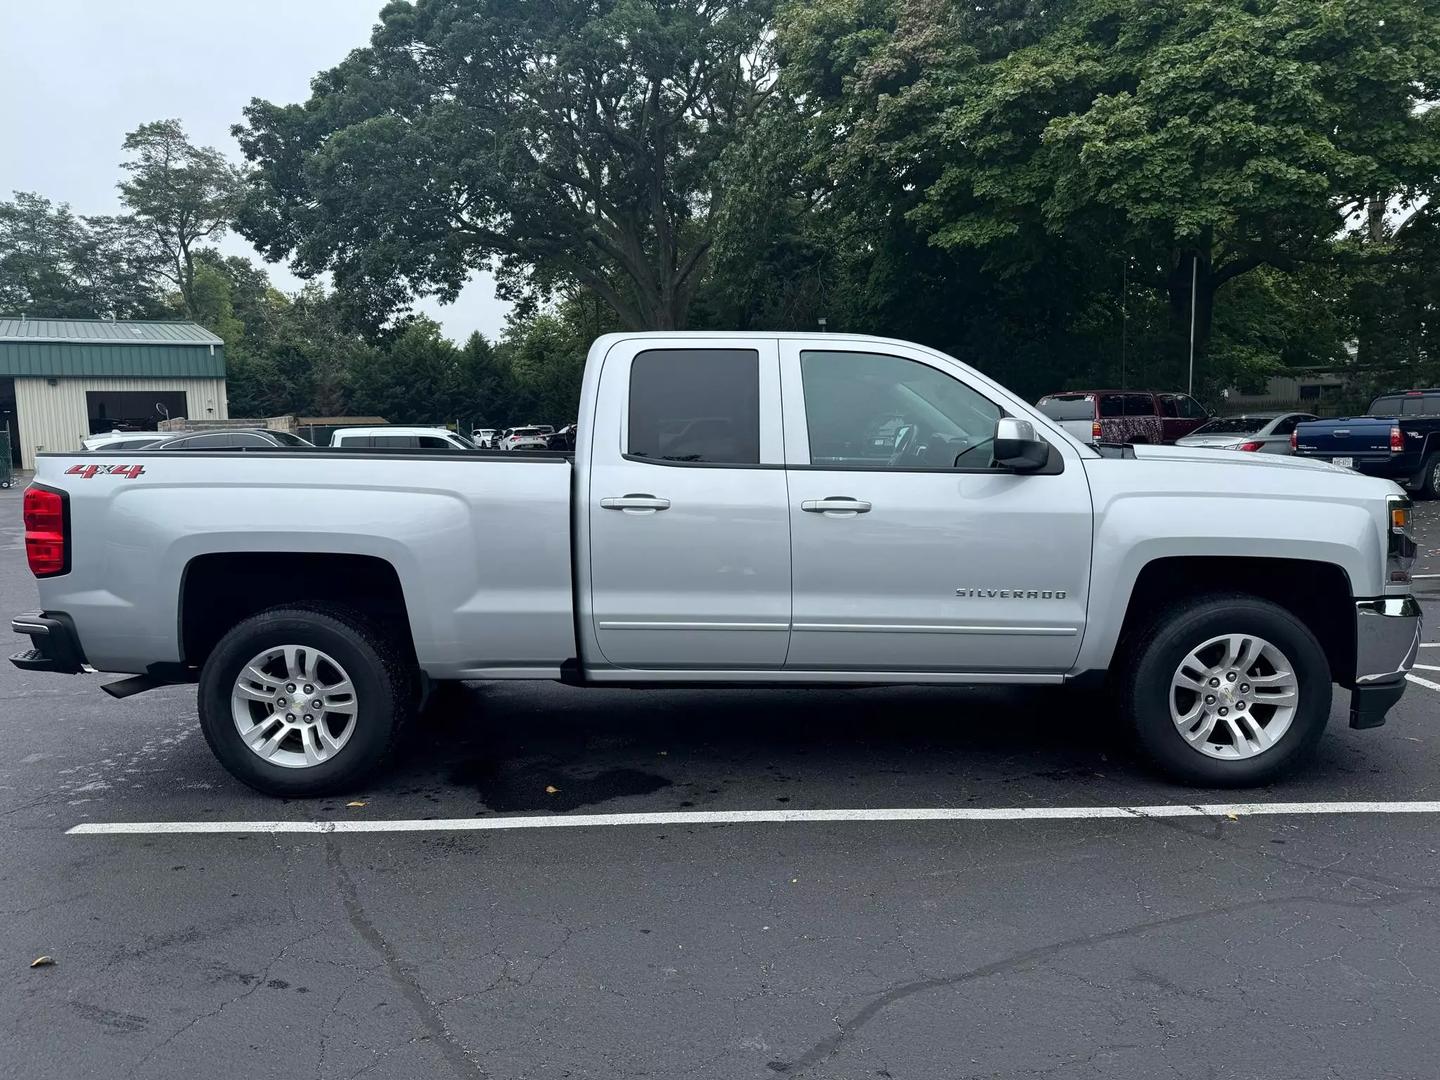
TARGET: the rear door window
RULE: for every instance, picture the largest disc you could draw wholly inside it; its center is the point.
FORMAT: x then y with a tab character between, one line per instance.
395	442
1168	406
699	406
1112	405
1139	405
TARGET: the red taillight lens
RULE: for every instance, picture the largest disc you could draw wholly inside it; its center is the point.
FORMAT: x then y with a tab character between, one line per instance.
1095	429
46	545
1397	444
1294	440
1251	445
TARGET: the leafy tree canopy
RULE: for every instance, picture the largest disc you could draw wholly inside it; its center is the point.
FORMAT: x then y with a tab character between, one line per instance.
563	143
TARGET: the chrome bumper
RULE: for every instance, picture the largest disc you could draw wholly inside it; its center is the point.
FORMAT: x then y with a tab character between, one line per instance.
1387	639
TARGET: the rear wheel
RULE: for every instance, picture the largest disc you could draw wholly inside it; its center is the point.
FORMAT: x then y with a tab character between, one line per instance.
305	701
1225	691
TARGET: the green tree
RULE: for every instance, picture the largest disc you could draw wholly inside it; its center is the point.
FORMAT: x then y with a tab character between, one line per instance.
56	264
563	143
413	378
181	195
1211	138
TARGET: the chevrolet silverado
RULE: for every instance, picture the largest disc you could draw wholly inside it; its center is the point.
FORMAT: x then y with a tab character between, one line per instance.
757	509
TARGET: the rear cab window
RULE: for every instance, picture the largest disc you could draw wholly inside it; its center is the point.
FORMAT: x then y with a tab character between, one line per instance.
695	406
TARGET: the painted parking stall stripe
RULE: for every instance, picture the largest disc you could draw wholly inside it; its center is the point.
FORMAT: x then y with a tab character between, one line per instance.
757	817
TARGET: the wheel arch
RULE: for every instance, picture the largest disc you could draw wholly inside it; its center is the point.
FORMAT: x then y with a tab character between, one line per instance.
1318	593
218	590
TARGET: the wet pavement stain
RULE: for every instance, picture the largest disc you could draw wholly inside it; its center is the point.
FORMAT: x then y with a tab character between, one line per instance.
516	790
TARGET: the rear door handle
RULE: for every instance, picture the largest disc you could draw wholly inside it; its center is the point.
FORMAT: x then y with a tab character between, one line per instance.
646	504
839	505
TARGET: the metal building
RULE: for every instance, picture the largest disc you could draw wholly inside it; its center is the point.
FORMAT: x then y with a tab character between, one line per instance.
64	379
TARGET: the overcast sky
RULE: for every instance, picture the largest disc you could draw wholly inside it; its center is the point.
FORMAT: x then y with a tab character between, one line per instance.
76	75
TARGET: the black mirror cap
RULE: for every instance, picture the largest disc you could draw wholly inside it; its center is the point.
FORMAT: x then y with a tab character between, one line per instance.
1022	455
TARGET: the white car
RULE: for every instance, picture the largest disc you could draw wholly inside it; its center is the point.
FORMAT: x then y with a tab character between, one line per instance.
484	437
523	438
110	438
394	437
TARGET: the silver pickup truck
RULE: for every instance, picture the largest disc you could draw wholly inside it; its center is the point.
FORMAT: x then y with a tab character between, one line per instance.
752	509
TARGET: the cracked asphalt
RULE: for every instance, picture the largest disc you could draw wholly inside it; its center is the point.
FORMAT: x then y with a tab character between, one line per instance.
1261	947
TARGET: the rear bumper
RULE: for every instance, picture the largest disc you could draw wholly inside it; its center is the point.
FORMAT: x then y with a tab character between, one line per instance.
54	645
1387	640
1395	467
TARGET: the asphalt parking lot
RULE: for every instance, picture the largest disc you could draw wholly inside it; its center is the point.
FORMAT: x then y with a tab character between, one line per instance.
1209	946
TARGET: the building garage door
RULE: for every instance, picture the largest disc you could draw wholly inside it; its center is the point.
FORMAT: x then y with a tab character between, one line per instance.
132	410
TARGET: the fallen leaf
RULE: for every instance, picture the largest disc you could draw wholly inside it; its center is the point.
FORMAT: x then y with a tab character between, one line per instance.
43	961
1232	817
355	805
551	789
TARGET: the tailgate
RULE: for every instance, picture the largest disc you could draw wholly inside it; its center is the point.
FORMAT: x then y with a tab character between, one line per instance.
1357	436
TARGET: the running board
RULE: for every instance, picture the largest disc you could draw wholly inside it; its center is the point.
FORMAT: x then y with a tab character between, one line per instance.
160	675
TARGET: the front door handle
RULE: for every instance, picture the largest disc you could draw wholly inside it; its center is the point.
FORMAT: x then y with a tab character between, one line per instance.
838	505
641	504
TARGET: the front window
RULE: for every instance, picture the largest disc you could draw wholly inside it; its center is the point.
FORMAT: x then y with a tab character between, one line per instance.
870	409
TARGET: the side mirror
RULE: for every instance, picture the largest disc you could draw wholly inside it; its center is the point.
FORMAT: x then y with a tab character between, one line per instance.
1017	447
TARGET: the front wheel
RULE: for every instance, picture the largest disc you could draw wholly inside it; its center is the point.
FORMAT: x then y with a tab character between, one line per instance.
1227	691
304	701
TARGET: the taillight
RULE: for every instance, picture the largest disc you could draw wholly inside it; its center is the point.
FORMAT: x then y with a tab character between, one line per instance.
1250	446
47	543
1294	441
1397	443
1095	430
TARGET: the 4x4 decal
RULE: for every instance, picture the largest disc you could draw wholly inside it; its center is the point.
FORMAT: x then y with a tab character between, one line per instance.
87	471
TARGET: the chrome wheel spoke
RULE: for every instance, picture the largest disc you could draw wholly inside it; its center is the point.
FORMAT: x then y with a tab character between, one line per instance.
1250	650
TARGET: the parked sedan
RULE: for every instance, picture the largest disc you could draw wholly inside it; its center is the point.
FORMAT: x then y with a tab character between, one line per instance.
523	438
1261	432
233	439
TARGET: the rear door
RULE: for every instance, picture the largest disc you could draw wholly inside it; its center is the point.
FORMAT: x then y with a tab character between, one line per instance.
1143	423
688	515
912	552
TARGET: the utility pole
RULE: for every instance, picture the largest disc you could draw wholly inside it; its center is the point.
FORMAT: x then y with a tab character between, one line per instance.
1194	278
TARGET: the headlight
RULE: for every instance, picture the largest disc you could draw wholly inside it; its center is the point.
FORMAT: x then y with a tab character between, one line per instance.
1400	552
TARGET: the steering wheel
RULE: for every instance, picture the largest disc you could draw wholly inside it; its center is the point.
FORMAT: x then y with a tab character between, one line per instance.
904	443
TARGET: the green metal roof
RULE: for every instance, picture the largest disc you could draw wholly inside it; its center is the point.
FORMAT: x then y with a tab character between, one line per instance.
95	348
107	330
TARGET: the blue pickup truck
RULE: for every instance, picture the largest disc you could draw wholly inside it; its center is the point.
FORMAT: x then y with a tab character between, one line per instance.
1397	438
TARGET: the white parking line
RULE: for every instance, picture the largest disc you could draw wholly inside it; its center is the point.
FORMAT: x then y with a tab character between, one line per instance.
1427	667
757	817
1424	682
1430	645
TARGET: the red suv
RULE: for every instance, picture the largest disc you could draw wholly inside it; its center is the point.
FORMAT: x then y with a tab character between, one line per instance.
1130	416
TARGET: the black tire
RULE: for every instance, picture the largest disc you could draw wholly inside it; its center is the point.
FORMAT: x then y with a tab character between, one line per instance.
378	666
1150	664
1429	485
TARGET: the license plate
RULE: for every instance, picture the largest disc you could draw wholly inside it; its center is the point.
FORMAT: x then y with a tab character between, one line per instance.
1344	462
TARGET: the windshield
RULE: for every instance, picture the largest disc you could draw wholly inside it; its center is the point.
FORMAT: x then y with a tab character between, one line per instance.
1068	408
1233	425
286	439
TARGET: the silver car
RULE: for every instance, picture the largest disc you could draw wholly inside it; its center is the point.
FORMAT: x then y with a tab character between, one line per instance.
1260	432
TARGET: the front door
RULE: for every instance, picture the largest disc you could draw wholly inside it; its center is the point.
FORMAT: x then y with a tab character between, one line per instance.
688	516
911	550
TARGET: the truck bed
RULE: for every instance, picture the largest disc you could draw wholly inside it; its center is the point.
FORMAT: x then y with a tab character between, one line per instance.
480	542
